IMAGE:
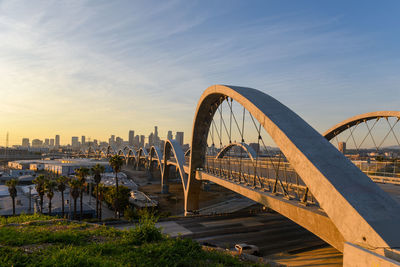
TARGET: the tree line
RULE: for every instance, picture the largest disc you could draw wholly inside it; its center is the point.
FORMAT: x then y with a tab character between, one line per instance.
47	185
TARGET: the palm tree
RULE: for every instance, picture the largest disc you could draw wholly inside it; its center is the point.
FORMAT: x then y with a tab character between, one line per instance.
61	186
101	189
49	187
97	170
74	185
82	172
39	185
12	189
116	163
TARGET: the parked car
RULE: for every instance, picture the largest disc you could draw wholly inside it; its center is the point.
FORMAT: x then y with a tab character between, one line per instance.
246	248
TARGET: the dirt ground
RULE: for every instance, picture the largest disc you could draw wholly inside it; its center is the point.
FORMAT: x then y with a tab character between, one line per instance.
173	202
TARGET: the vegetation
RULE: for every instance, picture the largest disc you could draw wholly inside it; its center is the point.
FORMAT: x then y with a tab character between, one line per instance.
39	185
116	163
38	240
62	185
12	190
81	173
113	197
101	189
74	185
97	171
49	187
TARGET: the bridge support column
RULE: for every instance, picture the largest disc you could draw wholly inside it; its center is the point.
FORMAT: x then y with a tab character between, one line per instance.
192	197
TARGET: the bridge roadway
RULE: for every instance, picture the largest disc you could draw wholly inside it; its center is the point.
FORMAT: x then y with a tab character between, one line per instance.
309	215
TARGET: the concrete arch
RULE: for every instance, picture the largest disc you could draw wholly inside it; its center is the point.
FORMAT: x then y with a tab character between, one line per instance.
121	153
141	153
90	150
111	151
131	153
249	150
82	153
344	125
368	217
155	153
173	145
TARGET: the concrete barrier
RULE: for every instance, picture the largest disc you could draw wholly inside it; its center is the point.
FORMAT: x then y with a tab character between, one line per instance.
356	256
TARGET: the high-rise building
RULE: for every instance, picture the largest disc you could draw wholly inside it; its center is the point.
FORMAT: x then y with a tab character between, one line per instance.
169	135
131	137
142	138
57	141
83	140
36	143
136	141
179	138
95	142
51	142
47	142
25	142
119	141
156	139
151	139
75	142
111	140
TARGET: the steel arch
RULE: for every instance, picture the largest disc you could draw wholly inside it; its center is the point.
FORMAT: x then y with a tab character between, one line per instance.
368	217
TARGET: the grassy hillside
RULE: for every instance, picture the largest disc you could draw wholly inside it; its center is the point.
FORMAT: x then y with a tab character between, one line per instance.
39	240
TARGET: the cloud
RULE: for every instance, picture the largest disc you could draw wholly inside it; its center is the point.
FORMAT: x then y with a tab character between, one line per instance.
130	64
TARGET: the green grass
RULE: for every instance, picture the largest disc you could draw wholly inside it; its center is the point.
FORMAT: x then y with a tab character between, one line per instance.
36	240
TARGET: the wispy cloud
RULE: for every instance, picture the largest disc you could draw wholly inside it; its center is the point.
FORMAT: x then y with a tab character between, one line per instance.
100	67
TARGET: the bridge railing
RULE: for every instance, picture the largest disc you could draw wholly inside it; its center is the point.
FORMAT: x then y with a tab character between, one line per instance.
283	181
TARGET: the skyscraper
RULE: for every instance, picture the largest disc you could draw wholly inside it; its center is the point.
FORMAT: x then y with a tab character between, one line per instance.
75	142
83	140
111	140
131	137
141	144
47	142
119	141
51	142
151	139
169	135
136	141
179	138
25	142
57	141
36	143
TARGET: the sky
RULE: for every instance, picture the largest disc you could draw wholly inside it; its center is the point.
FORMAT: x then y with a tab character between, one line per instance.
97	68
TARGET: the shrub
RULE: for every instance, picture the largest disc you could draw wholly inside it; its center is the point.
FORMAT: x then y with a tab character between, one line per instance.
110	196
146	230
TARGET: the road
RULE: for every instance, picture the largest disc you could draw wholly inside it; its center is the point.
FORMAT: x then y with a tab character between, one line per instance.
278	238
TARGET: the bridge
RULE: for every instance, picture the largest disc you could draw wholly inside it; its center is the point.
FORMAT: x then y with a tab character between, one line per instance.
302	176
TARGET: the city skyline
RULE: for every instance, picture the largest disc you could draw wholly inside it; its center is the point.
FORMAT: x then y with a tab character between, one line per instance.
79	68
84	140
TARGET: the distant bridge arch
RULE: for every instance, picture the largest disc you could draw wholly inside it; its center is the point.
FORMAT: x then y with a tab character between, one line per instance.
350	122
248	149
